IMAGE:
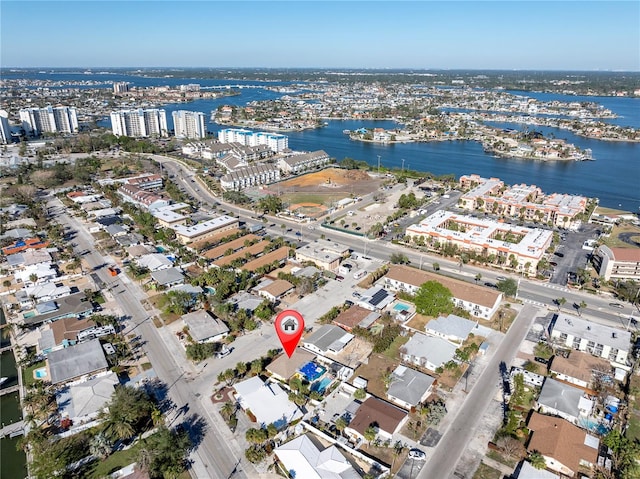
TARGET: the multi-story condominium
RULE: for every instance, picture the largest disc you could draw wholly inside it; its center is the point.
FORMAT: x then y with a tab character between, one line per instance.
602	341
146	182
274	141
190	234
526	202
252	175
617	263
517	247
300	163
139	123
477	300
189	124
142	198
120	87
5	129
36	121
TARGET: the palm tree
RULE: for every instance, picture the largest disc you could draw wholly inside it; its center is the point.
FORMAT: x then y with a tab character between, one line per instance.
118	430
560	302
580	307
241	367
228	409
157	418
478	277
537	460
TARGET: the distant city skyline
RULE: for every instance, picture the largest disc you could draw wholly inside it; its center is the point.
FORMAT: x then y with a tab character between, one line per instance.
514	35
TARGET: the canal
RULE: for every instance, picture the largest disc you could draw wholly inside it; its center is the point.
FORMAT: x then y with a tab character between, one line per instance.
14	461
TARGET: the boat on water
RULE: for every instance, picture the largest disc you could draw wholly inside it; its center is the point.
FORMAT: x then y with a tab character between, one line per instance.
346	132
3	379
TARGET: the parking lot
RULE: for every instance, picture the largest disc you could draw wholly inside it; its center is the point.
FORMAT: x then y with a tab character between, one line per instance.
569	255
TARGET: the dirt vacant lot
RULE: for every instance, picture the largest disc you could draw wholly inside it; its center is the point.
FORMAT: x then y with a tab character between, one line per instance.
325	186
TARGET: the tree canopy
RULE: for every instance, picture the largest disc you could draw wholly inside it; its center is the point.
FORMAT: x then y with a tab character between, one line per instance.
508	286
433	299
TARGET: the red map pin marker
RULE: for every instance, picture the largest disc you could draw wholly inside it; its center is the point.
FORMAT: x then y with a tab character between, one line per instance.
289	326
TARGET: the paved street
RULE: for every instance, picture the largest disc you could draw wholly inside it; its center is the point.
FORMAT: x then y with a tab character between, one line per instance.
538	299
212	457
442	460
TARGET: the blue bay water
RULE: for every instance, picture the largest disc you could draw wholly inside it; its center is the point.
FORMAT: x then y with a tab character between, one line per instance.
613	176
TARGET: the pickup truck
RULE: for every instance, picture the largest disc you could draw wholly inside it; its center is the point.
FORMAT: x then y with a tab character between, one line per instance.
112	271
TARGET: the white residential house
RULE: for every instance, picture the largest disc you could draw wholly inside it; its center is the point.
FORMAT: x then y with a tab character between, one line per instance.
427	351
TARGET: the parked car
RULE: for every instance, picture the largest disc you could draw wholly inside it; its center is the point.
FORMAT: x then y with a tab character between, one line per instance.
417	454
501	278
616	305
355	294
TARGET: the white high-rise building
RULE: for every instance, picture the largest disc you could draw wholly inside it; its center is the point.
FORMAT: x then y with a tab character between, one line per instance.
274	141
120	87
139	123
61	119
5	129
189	124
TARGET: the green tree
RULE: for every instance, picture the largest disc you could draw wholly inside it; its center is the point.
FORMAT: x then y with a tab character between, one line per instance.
129	410
360	394
341	423
478	277
433	299
560	302
399	258
580	307
370	434
270	204
537	460
508	286
166	453
227	410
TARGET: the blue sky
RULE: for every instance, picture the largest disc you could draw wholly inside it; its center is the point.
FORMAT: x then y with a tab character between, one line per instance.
574	35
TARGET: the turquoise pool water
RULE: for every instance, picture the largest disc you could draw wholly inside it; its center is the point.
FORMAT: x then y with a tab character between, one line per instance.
40	373
401	307
321	385
160	249
30	314
595	426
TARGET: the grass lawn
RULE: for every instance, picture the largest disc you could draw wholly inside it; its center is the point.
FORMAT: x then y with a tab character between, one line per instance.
392	351
633	431
615	242
318	198
486	472
115	461
496	456
27	373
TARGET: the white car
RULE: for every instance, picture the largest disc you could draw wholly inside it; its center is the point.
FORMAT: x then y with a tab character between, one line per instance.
417	454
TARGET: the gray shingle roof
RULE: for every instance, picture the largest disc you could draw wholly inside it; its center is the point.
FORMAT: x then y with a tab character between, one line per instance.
72	362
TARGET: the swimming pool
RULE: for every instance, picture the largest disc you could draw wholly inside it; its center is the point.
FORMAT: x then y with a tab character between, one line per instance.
30	314
322	385
401	307
40	373
311	371
594	426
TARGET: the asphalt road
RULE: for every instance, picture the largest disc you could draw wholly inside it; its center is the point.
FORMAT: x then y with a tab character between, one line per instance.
536	294
454	441
212	457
